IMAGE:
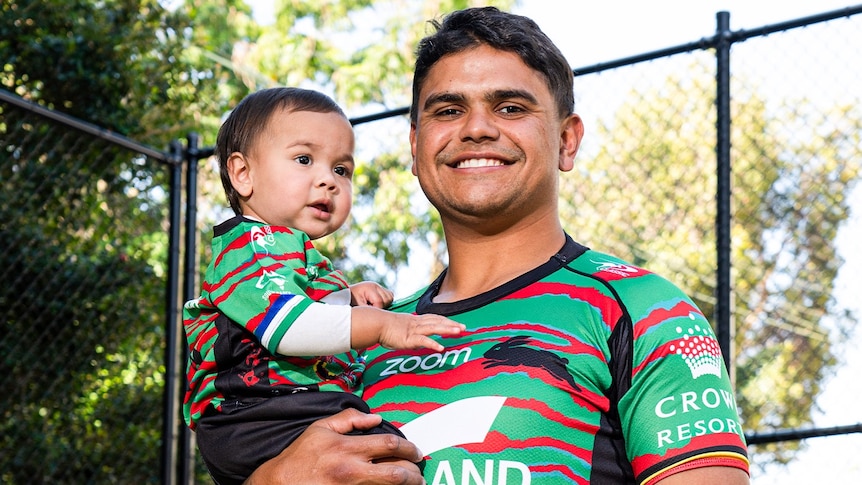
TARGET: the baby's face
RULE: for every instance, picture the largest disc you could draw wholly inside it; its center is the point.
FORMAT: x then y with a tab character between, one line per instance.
301	171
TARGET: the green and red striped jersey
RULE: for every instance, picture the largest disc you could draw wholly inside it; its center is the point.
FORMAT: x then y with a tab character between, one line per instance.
584	370
263	281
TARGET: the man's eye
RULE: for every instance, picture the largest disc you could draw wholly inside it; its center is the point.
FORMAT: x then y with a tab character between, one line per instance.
303	160
511	109
343	171
448	112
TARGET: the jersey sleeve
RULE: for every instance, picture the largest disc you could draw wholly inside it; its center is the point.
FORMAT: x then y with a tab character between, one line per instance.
268	278
680	411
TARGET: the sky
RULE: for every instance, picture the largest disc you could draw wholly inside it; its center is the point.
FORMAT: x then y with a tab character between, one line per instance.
591	32
598	31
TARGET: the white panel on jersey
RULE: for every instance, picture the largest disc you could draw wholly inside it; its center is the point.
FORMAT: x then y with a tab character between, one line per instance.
458	423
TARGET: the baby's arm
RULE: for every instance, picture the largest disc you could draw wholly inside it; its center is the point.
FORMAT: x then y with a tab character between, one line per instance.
333	327
370	325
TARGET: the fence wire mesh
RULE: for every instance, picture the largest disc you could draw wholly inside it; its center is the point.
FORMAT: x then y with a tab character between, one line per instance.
81	307
797	152
645	188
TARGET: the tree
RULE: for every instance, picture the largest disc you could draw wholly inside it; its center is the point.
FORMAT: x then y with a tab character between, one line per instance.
87	365
82	305
648	194
83	295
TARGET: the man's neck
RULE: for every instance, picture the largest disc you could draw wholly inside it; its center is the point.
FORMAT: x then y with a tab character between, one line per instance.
480	262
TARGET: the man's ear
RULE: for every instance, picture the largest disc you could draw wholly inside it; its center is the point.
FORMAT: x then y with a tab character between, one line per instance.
571	133
239	171
413	147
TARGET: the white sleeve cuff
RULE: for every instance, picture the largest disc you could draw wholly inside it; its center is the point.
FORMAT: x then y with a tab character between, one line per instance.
321	330
340	297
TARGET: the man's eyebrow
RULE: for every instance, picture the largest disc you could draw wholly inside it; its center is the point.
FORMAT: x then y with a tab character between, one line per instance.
506	94
490	97
443	98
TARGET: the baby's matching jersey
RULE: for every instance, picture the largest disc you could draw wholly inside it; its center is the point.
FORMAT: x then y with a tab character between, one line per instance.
261	280
585	370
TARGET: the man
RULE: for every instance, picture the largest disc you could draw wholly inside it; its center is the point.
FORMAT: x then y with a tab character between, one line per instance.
575	367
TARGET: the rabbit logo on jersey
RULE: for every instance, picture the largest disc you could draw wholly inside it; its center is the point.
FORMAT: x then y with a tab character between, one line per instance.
515	353
262	237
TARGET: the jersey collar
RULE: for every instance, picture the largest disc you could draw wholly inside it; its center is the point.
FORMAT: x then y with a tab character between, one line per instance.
570	251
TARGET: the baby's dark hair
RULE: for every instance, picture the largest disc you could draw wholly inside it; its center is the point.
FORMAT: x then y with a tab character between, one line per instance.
240	130
472	27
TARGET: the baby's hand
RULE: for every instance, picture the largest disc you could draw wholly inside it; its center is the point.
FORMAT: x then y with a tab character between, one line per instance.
412	331
368	293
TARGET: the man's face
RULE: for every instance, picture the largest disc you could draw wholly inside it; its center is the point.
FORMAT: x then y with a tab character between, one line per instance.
488	141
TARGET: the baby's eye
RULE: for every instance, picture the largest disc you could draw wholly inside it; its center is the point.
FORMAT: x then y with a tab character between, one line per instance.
343	171
303	160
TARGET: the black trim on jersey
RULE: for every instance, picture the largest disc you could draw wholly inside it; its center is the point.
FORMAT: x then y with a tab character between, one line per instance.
609	440
226	226
568	253
610	437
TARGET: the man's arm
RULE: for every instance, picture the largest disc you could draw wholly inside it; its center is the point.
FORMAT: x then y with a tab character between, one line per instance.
712	475
324	455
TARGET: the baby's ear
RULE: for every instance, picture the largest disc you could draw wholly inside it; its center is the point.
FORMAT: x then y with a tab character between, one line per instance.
239	171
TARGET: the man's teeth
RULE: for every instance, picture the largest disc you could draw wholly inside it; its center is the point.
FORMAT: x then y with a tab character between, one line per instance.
479	162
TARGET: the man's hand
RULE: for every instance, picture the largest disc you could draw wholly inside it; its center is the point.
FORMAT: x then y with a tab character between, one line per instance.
324	455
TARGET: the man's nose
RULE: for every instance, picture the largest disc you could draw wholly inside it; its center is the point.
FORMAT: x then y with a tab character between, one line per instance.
479	125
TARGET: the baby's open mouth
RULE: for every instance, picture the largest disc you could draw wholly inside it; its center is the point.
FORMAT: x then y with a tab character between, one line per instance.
321	206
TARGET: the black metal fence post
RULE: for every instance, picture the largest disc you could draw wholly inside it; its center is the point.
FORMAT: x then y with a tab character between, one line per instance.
170	419
723	308
193	155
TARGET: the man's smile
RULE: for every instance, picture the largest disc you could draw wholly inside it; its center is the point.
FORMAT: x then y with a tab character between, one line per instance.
478	163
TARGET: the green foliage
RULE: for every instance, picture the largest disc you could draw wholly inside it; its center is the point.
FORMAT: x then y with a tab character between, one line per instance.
82	307
110	63
789	327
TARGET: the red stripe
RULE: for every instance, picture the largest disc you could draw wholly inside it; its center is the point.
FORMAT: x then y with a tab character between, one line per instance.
660	315
497	442
705	442
607	305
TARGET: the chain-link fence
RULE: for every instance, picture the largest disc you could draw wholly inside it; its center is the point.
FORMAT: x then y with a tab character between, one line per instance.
679	172
83	303
649	188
